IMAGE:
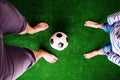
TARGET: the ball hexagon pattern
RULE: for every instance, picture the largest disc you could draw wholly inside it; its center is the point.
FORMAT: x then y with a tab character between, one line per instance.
59	41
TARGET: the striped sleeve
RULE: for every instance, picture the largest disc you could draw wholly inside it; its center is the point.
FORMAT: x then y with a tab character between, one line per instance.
115	58
113	18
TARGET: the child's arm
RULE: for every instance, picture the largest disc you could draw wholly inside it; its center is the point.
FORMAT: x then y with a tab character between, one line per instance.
115	58
113	18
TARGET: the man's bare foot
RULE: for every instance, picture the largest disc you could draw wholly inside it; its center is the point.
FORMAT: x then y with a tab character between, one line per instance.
31	30
39	27
50	57
92	54
47	56
92	24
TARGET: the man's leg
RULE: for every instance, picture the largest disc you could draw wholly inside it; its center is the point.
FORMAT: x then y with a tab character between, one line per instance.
14	23
15	60
47	56
21	59
40	53
31	30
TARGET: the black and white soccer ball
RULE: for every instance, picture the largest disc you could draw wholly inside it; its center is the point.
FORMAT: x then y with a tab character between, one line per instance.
59	41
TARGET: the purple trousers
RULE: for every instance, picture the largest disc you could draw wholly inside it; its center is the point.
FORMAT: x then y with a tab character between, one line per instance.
13	60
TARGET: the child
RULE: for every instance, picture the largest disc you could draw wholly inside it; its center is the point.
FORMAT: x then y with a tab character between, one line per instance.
112	49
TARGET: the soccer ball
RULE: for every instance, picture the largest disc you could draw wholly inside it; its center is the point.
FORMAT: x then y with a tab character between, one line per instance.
59	41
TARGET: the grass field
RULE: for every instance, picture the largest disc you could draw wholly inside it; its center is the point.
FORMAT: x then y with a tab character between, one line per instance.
67	16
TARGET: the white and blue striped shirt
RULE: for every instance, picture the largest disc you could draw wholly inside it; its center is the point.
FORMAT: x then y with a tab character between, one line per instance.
113	27
114	20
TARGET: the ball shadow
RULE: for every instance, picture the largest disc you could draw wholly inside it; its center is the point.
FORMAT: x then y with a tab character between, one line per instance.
61	24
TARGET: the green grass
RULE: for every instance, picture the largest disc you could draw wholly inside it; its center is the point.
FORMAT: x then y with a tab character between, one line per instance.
67	16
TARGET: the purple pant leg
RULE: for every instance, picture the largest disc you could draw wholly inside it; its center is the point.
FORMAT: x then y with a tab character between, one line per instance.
12	21
21	59
13	60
